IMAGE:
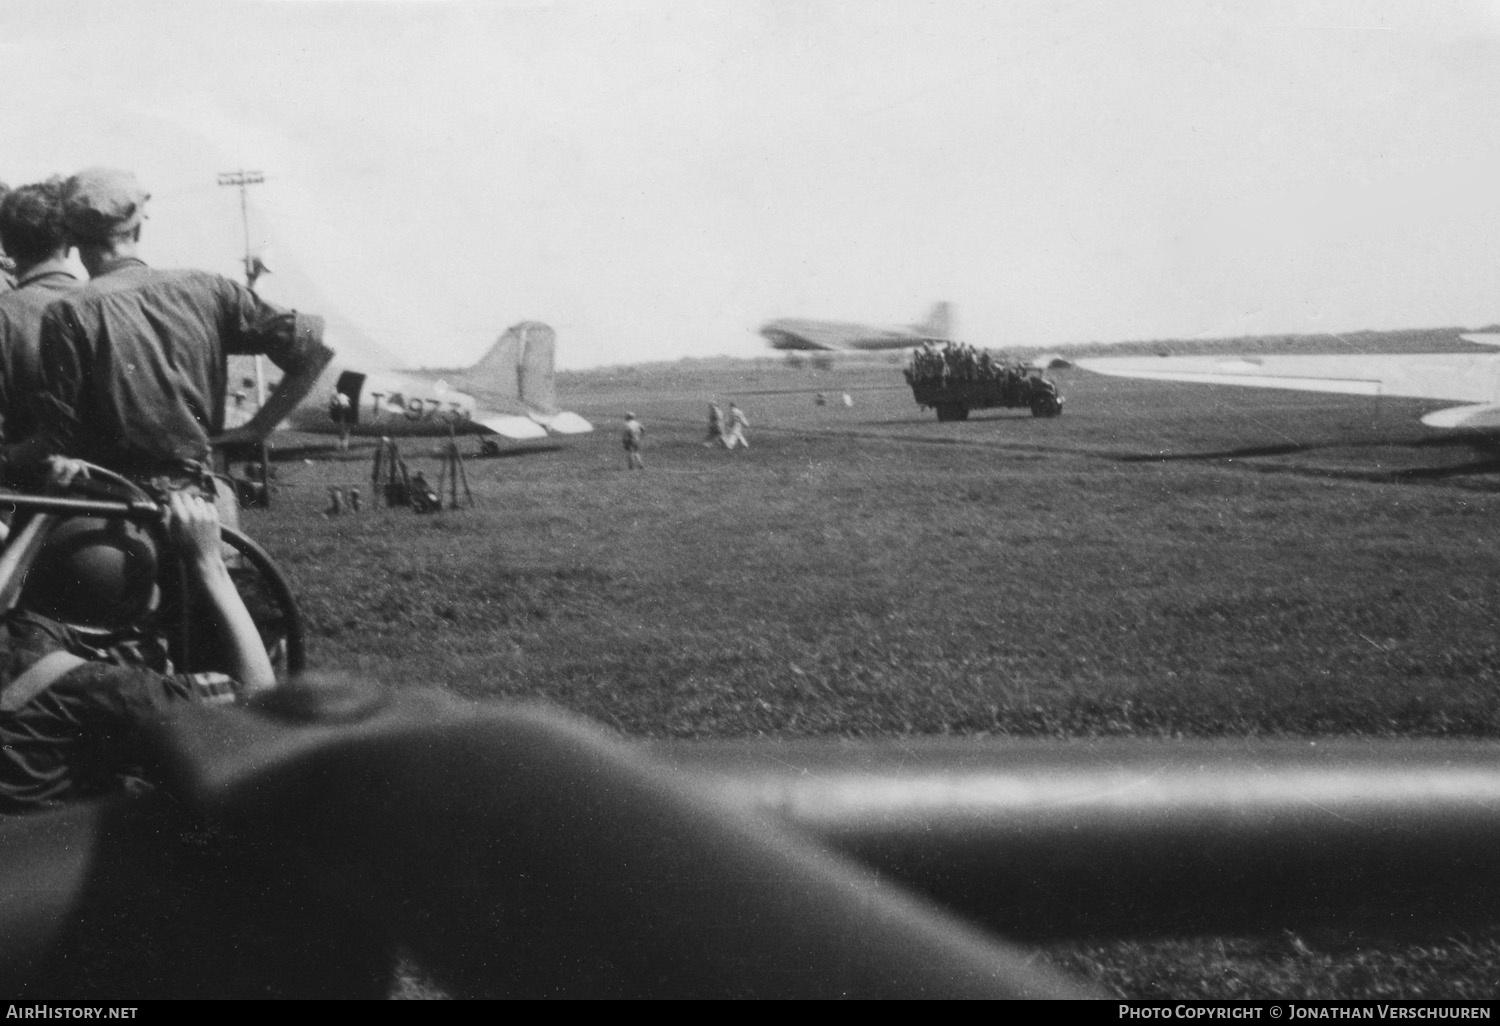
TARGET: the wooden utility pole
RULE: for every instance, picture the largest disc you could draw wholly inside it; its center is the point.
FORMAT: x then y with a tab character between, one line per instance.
244	179
253	268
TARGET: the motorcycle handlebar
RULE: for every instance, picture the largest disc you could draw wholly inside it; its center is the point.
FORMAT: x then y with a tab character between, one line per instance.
142	510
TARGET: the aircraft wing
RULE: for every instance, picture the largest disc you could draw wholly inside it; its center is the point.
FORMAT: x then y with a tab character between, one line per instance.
509	425
1458	377
1455	377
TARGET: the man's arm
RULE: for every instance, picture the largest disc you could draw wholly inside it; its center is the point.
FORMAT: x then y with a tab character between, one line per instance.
296	384
195	529
293	341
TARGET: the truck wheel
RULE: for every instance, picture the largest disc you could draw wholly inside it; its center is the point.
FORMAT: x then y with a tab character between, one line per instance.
1044	405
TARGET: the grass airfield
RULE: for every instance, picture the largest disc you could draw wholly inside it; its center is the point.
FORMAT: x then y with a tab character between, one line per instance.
1162	560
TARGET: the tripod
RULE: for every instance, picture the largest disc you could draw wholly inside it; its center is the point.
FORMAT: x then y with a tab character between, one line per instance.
389	480
453	474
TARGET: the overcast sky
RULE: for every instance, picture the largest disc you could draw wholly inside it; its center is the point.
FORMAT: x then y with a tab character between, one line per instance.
657	178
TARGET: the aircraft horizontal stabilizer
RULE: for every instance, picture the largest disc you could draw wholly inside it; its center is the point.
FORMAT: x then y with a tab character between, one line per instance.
511	426
1484	416
563	423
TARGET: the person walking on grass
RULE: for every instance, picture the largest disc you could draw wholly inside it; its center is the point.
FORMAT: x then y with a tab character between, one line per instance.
737	425
633	435
715	426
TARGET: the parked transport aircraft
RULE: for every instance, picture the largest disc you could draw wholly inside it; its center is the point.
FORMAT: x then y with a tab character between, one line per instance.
1469	378
510	393
793	333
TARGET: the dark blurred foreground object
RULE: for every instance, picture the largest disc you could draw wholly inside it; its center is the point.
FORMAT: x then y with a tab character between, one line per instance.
1047	840
510	851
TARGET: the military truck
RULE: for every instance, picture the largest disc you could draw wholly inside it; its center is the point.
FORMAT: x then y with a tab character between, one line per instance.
957	378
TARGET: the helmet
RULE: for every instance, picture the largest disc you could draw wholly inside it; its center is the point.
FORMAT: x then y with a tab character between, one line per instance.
93	573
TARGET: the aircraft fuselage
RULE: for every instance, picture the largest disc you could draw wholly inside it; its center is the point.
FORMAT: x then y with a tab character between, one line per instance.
510	393
836	335
389	405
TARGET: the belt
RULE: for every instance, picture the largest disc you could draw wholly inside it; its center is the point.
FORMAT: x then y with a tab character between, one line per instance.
164	478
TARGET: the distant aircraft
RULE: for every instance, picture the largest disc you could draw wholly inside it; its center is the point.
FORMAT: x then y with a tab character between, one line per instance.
1472	378
510	393
791	333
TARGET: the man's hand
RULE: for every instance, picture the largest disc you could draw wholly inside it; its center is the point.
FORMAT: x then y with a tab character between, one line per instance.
62	471
194	524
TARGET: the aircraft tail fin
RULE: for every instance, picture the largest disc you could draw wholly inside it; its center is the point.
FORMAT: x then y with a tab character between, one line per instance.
522	364
939	323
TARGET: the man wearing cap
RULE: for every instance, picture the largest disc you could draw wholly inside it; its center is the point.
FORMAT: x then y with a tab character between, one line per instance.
134	364
31	230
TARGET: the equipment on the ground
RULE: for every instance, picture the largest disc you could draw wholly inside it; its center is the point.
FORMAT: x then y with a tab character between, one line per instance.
389	481
423	498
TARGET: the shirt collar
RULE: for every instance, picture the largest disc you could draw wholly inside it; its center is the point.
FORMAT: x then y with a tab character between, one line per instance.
43	269
119	264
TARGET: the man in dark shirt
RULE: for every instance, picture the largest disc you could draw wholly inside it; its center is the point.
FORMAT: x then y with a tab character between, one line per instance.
31	231
134	364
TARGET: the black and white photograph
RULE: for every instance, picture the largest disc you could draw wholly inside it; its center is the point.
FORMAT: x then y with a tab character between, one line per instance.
751	499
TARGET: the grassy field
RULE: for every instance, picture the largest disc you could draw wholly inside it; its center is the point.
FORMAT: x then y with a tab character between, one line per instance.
1161	560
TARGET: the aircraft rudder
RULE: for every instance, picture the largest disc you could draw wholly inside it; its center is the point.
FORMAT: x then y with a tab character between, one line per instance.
538	387
939	323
